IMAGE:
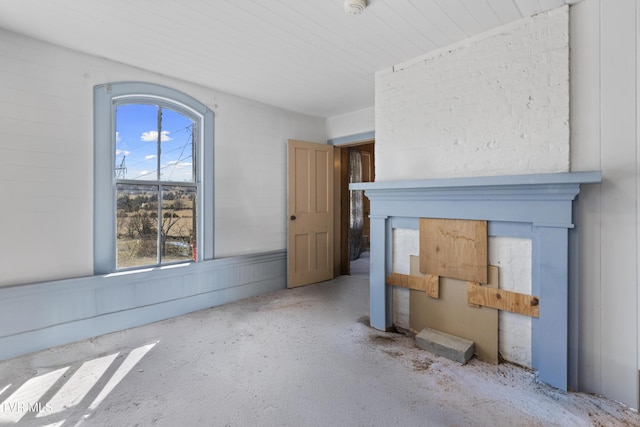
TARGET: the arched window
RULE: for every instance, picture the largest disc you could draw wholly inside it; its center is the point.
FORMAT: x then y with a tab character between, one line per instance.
153	177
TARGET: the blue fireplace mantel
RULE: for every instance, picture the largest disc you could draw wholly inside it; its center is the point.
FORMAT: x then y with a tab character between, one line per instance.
539	207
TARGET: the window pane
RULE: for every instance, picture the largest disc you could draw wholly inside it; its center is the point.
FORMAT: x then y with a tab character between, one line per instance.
136	225
178	240
137	142
178	134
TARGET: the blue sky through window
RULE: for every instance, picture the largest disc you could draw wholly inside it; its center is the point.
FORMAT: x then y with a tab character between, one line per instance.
136	144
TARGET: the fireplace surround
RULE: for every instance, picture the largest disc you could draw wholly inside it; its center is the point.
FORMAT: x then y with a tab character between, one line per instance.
540	207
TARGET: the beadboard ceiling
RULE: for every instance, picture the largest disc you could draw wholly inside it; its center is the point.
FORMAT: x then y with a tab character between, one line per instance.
302	55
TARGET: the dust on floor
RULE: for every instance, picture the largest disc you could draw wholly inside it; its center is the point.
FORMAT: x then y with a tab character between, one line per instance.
301	357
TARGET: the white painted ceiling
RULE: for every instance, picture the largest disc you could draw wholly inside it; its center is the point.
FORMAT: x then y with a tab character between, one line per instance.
303	55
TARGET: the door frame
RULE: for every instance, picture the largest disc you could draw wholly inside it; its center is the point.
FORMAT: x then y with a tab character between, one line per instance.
341	205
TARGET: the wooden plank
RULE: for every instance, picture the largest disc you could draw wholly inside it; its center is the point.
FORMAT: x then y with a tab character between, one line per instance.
452	315
428	283
501	299
433	286
454	248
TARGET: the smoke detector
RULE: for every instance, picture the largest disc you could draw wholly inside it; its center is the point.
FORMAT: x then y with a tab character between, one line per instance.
354	7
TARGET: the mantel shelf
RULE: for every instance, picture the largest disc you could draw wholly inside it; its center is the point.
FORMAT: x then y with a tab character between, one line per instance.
530	180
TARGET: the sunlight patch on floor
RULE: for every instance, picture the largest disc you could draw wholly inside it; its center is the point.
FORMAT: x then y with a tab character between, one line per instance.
3	390
26	399
77	387
27	396
134	357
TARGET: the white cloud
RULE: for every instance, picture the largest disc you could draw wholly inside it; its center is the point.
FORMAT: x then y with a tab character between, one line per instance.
125	152
152	135
118	139
178	164
150	157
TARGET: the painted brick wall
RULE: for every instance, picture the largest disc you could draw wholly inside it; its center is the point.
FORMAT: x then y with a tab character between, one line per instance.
513	259
497	104
407	243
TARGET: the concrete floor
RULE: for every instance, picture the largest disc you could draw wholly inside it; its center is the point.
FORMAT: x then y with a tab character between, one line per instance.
301	357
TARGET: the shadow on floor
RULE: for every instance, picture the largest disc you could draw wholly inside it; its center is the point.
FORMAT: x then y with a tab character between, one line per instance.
360	266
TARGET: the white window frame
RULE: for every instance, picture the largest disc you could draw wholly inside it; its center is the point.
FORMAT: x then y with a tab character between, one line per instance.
106	98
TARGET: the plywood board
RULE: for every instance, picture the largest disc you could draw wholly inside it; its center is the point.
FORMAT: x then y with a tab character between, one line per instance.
426	283
451	314
454	248
513	302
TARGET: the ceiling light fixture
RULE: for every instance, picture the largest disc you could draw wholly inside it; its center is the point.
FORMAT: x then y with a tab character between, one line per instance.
354	7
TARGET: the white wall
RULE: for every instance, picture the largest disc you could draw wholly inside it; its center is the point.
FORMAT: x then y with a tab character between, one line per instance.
46	158
604	135
355	122
497	104
251	173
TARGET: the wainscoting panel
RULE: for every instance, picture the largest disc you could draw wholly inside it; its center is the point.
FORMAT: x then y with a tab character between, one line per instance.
38	316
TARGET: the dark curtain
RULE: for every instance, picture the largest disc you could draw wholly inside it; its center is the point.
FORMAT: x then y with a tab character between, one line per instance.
356	211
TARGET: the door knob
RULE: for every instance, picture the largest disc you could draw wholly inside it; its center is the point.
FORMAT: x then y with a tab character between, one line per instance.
293	217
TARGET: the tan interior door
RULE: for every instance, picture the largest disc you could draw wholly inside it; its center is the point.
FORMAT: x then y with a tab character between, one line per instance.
310	210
